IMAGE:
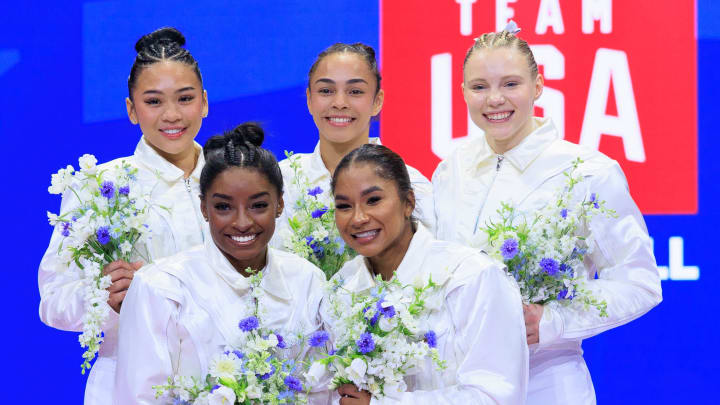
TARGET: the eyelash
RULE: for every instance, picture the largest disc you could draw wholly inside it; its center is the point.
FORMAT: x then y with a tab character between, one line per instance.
222	206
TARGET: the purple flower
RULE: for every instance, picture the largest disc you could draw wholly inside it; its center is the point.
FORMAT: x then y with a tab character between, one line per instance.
319	338
281	342
596	204
509	249
268	374
248	324
124	190
567	270
308	240
593	197
293	383
387	312
319	212
103	235
107	189
365	344
314	191
65	229
216	386
549	265
239	354
563	212
431	339
562	294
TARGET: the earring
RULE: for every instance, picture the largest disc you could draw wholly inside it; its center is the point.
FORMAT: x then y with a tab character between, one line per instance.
206	219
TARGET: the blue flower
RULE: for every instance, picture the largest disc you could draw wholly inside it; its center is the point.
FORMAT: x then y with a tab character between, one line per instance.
431	339
239	354
248	324
562	294
319	212
268	374
567	270
387	312
341	245
65	229
375	317
124	190
509	249
365	344
314	191
107	189
549	265
285	395
563	212
593	197
103	235
293	383
216	386
596	204
281	342
308	240
178	401
319	338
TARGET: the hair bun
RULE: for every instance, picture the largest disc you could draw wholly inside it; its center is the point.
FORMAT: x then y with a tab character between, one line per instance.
247	132
164	35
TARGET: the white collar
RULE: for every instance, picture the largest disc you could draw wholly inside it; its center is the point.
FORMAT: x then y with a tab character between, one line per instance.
148	157
318	169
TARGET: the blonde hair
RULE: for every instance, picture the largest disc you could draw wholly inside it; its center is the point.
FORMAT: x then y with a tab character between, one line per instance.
503	39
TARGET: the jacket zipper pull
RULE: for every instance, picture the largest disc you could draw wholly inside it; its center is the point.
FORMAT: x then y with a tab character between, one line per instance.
500	159
187	184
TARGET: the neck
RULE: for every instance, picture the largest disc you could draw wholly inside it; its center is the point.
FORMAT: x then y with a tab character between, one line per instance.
388	260
185	160
501	146
332	153
255	264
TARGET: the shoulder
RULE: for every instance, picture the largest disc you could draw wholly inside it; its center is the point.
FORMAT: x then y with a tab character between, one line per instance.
349	269
596	166
296	267
301	158
167	275
462	157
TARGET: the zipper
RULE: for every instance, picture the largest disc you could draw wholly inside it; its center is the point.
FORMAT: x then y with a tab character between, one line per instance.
187	185
500	159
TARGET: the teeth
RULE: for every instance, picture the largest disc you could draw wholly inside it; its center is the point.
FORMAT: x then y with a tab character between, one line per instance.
365	234
498	116
241	239
340	120
171	131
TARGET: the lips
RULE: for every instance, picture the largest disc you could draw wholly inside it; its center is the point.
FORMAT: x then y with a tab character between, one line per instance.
496	117
365	236
173	132
339	121
243	240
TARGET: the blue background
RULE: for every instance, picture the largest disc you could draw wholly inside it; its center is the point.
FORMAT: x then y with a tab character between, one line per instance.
63	72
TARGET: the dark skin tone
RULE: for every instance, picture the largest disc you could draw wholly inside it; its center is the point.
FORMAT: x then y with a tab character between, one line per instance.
121	274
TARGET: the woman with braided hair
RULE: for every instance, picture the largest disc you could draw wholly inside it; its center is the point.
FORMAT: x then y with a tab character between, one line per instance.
182	310
166	99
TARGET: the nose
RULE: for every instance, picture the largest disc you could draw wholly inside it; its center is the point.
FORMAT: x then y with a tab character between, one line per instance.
359	217
243	221
171	113
496	98
339	100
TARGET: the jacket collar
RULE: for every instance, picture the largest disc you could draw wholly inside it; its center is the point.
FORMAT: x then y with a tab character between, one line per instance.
148	157
273	280
318	170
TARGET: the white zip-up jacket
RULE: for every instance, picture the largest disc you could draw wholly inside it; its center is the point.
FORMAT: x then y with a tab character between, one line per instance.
469	187
176	228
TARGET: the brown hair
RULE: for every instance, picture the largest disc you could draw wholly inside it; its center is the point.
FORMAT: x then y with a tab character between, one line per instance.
503	39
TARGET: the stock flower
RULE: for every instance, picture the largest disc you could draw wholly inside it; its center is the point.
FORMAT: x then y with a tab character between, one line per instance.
509	249
248	324
87	163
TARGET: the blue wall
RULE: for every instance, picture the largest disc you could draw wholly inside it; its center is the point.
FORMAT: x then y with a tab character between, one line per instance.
63	71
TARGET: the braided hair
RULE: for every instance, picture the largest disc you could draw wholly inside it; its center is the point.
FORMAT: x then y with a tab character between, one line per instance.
503	39
162	44
240	147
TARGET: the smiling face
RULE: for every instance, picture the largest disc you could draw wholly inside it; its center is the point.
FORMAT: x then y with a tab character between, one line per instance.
241	206
370	214
168	103
500	92
342	98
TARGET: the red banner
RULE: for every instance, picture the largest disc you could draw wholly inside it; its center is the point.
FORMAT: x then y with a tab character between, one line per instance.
619	76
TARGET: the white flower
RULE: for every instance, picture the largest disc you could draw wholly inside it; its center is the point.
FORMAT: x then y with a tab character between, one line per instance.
222	396
254	391
87	164
316	373
61	180
356	371
225	366
125	247
52	218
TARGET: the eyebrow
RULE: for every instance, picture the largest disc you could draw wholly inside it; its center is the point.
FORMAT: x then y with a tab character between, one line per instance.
176	91
502	78
351	81
223	196
258	195
364	192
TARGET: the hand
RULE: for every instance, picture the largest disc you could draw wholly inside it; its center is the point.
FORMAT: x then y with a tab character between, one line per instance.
350	395
121	274
533	313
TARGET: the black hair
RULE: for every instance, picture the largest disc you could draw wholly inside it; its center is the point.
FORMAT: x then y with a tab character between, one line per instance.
162	44
388	165
240	147
366	52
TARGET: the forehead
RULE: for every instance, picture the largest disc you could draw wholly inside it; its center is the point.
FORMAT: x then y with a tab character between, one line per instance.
496	62
238	181
343	66
360	176
167	75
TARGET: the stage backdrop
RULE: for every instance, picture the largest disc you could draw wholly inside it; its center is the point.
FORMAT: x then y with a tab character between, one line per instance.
636	79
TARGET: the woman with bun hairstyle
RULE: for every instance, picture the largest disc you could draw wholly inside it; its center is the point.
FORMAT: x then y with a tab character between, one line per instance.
182	310
478	321
522	160
166	99
343	95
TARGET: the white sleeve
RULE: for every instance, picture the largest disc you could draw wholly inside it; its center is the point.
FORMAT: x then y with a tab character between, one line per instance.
490	343
147	325
628	278
61	290
424	202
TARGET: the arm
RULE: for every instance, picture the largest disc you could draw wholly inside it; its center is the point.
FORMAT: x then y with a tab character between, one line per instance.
146	327
628	279
489	342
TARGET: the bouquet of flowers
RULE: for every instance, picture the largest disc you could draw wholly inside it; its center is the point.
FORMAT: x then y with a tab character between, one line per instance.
252	371
313	233
543	252
105	226
380	337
